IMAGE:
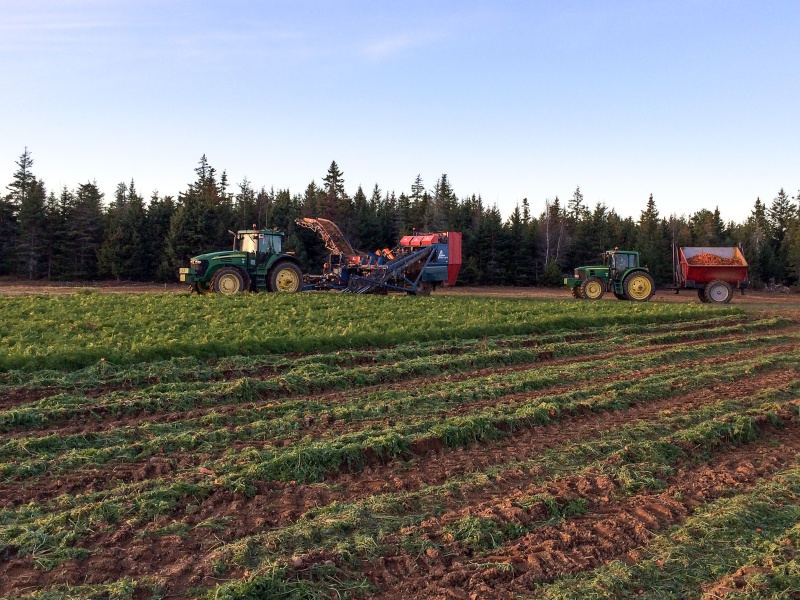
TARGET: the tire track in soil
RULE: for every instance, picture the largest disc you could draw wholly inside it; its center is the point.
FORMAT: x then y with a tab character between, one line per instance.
130	420
145	416
613	529
14	397
125	553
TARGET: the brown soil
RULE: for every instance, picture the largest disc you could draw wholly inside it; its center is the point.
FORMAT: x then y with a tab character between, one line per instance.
133	552
613	529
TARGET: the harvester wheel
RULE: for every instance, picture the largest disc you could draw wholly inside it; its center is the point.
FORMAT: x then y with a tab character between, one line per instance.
227	281
701	293
423	288
639	286
718	292
285	277
576	292
593	288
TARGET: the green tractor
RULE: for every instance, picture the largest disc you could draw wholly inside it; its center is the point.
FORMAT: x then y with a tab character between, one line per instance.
256	263
620	274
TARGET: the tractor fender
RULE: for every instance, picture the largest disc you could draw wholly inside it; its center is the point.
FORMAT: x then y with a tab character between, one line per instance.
280	258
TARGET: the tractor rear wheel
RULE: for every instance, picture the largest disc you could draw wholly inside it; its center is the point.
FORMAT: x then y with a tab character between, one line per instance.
701	293
228	281
718	292
576	292
639	286
285	277
593	288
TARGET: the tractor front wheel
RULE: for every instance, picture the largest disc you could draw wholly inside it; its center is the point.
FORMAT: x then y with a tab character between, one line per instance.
576	292
202	288
593	288
285	277
718	292
227	281
639	286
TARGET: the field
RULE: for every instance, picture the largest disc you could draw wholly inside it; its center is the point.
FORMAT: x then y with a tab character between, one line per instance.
325	446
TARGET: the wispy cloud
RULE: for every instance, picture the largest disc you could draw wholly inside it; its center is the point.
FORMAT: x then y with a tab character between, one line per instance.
395	44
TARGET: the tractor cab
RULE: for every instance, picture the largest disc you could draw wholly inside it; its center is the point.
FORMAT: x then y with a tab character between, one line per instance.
619	262
261	243
620	274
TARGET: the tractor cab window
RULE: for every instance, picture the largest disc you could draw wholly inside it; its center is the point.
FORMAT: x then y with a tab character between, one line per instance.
269	244
624	261
248	243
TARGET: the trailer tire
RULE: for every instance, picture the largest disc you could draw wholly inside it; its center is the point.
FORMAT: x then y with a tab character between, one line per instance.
285	276
229	281
576	292
639	286
593	288
718	292
701	293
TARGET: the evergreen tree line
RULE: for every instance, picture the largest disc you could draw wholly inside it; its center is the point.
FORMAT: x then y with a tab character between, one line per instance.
78	235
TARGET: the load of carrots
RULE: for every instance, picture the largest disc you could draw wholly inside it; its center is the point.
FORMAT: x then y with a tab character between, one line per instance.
706	259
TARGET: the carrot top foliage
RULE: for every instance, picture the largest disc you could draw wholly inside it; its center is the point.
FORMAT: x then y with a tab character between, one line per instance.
69	332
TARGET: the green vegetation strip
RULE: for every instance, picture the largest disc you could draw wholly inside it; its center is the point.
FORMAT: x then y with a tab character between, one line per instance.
313	377
719	539
70	332
314	457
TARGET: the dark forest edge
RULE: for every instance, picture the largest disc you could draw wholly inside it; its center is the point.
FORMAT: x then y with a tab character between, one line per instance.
75	235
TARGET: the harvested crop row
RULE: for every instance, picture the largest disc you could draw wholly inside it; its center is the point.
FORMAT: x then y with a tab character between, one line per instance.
372	505
105	377
272	576
31	457
192	395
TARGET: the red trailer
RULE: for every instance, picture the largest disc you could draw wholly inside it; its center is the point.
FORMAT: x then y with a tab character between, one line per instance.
713	271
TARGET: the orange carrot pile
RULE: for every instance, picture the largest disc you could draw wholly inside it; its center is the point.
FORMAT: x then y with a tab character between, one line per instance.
706	259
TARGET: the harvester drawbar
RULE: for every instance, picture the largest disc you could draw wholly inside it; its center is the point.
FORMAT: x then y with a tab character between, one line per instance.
418	265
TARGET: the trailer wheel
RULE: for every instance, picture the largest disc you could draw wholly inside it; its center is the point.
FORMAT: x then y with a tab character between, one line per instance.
593	288
576	292
227	281
285	277
639	286
719	292
701	293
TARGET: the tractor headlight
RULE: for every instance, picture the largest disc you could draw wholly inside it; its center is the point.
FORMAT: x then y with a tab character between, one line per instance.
199	266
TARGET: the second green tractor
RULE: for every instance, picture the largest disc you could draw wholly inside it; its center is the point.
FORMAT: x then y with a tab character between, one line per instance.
620	274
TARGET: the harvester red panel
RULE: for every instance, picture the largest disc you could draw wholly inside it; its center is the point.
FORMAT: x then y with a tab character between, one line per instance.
454	253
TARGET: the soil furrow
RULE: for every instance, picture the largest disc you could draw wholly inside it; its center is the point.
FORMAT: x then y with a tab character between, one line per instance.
613	529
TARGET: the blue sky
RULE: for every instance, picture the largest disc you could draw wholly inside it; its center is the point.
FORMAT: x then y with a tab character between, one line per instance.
695	101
